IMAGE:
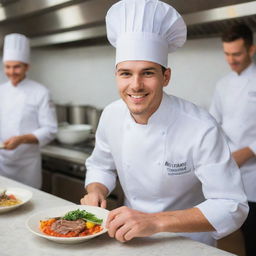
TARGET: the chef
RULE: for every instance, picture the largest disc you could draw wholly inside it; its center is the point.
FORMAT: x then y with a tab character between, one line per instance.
171	158
234	107
27	115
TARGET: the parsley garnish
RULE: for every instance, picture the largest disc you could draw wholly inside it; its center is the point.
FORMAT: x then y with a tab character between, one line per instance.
82	214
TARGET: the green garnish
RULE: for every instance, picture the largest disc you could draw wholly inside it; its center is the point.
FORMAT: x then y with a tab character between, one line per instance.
82	214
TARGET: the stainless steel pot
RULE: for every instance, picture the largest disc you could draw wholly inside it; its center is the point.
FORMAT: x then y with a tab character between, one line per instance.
77	114
84	114
62	113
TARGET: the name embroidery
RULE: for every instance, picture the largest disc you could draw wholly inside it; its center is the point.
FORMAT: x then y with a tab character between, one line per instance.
177	168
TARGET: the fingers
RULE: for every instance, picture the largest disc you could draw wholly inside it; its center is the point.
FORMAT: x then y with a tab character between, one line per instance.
87	200
124	224
121	233
11	143
94	200
113	214
119	225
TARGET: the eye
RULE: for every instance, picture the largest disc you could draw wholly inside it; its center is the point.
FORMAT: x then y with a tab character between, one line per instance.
124	74
148	73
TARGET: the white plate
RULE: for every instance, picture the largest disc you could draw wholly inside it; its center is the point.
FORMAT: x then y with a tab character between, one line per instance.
34	221
21	194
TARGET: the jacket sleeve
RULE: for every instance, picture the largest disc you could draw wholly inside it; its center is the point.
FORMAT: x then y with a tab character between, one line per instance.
226	205
100	166
46	119
252	146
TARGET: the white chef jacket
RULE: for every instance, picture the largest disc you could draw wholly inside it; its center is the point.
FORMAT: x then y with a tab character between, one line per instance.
234	107
25	109
179	160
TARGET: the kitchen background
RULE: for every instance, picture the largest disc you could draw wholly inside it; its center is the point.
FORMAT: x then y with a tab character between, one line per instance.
71	56
85	75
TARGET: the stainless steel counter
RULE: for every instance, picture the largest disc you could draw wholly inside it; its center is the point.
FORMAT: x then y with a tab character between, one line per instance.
65	154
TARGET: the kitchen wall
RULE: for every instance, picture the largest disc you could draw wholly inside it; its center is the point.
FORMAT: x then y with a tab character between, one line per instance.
85	75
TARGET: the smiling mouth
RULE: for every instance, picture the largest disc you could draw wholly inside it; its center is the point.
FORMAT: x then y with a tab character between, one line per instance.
134	96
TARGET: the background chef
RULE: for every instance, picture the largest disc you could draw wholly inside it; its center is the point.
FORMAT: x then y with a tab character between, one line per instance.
27	115
171	158
234	107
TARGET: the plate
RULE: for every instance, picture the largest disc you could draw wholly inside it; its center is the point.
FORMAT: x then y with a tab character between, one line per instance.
21	194
33	222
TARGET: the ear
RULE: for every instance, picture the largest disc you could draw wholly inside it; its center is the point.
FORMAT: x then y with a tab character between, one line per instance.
27	67
167	77
252	50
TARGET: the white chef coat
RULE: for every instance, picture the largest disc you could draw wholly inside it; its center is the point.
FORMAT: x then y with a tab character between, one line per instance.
25	109
234	107
179	160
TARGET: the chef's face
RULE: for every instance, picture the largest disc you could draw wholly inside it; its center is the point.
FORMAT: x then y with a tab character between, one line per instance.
15	71
140	85
238	56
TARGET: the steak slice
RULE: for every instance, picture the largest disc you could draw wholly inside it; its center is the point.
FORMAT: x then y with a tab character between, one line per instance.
64	226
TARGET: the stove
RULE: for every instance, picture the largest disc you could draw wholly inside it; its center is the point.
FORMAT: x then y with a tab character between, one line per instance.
84	147
64	172
67	159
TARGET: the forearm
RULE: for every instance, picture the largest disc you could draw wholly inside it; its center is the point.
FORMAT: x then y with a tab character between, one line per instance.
242	155
15	141
28	139
189	220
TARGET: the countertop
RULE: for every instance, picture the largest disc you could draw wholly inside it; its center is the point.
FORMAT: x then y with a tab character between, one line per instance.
64	154
16	240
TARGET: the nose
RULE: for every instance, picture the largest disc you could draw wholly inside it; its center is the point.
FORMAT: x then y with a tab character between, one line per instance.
11	71
137	83
230	59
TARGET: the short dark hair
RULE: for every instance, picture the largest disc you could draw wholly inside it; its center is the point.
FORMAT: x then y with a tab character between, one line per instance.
239	31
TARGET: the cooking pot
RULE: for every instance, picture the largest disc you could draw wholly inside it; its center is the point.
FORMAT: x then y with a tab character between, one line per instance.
84	114
73	133
62	113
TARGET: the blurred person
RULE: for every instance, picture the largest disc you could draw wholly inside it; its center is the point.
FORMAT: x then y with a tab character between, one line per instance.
27	115
234	107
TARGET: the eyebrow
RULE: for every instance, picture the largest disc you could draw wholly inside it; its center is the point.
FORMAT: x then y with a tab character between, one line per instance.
127	70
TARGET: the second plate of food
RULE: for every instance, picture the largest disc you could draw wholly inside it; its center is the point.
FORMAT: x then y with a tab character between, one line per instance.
12	198
69	224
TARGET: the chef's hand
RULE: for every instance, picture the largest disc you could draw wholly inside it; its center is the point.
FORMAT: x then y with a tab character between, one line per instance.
13	142
94	199
124	224
96	195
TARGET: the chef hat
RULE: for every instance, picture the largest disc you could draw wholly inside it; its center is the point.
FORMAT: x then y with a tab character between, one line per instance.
16	48
145	30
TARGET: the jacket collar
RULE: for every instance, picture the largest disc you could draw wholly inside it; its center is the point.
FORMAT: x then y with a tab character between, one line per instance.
20	84
251	69
162	117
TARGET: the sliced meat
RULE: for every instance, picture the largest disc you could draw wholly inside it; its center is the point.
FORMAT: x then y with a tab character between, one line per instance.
64	226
